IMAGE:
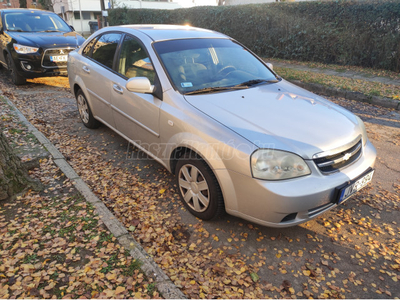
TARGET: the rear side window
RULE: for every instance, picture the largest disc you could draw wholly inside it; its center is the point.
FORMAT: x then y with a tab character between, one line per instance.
105	47
88	47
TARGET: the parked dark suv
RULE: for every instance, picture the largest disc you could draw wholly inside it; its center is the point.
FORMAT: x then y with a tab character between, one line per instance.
35	43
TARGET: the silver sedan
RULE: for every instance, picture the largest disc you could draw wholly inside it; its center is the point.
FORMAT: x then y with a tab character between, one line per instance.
237	136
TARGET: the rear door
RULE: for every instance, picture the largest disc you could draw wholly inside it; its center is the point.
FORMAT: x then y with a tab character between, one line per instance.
96	72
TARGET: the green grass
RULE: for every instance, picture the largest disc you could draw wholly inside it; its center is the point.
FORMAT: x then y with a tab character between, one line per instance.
355	85
368	72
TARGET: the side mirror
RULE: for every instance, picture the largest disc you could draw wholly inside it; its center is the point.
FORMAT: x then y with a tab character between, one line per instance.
270	66
72	27
139	85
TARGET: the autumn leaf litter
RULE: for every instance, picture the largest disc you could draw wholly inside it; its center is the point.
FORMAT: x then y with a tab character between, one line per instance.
346	253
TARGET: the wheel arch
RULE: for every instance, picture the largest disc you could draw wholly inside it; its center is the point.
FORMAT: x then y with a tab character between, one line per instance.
185	142
204	151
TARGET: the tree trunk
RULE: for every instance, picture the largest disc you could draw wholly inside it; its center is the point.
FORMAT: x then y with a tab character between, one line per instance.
22	4
47	4
13	175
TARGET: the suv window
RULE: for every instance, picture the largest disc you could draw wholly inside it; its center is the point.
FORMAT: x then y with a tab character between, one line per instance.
134	60
33	21
105	47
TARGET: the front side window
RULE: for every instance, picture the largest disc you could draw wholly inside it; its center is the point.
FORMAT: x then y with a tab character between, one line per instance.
33	21
134	60
105	47
196	64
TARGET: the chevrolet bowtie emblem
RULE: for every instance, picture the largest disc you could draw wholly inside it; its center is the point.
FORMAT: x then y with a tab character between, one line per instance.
347	156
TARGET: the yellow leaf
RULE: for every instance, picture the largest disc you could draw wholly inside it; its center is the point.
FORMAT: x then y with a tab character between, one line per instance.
192	282
111	276
394	279
216	238
306	272
119	290
162	191
278	255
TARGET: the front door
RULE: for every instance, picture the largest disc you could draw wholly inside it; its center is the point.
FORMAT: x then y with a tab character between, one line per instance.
136	115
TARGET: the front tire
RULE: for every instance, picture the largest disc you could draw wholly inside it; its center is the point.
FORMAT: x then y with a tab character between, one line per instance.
198	187
15	77
85	112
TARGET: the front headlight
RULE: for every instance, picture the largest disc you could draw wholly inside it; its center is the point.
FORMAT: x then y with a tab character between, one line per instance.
364	131
271	164
21	49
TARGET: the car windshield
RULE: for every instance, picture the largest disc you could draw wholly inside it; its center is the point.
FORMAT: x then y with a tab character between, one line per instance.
34	22
211	65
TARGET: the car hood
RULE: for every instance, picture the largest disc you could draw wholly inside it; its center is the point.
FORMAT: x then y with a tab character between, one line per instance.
47	39
281	116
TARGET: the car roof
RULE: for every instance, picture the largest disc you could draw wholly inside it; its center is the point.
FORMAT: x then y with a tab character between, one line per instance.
167	32
25	10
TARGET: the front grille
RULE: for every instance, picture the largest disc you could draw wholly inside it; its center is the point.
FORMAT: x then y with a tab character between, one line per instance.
317	210
334	162
46	61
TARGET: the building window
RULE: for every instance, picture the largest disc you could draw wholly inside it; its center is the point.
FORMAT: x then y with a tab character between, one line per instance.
85	15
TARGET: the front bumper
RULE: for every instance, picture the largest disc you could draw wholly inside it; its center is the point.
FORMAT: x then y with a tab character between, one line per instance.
290	202
39	64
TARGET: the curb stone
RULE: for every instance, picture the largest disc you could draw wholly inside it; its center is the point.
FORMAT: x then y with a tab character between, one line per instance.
164	285
329	91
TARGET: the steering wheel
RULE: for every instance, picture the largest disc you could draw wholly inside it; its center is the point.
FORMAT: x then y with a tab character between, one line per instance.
225	71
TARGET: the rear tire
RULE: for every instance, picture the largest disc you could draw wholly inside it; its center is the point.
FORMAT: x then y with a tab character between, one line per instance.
85	113
198	187
15	77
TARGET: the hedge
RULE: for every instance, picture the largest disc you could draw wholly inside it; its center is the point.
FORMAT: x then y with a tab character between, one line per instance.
362	33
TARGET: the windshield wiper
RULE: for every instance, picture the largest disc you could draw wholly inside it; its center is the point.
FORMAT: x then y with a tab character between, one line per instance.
256	81
216	89
50	30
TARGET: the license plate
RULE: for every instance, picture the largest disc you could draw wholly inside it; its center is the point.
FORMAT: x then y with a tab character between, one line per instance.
59	58
349	190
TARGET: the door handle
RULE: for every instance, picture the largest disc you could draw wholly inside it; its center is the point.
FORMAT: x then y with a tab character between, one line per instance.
86	69
118	89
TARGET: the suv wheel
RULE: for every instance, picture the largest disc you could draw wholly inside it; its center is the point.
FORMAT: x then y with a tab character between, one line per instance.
15	77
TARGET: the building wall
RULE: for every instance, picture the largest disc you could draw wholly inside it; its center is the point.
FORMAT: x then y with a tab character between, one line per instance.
92	8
